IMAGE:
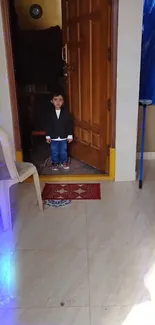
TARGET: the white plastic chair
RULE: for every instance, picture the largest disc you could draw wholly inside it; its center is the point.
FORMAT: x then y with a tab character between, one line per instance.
18	172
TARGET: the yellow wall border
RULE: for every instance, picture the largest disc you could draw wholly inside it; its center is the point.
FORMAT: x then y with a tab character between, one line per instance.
112	163
19	156
80	178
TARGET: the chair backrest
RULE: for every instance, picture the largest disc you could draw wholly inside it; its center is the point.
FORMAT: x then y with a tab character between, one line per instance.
8	154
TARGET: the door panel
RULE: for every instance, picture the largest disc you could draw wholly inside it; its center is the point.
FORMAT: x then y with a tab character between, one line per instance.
85	30
71	9
96	4
84	66
74	85
84	7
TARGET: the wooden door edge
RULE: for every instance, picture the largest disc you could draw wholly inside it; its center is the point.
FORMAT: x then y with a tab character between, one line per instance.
114	43
10	74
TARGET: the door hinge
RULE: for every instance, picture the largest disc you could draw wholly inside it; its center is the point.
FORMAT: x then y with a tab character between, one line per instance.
109	104
109	54
108	150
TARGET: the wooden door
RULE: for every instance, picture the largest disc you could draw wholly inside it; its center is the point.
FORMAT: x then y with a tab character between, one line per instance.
86	32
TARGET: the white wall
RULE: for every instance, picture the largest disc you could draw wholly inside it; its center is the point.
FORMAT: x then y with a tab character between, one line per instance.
128	71
5	104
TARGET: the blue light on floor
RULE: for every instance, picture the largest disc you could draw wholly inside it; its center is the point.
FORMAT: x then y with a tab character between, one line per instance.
7	278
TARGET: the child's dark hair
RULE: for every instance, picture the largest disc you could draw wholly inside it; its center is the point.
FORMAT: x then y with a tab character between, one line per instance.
57	92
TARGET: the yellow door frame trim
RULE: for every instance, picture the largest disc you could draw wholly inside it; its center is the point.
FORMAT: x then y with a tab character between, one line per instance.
78	178
19	156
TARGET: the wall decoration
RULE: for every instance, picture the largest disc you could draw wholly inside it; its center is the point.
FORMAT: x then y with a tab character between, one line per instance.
147	77
36	11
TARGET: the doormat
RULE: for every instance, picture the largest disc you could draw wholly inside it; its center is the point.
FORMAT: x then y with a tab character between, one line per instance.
56	203
71	192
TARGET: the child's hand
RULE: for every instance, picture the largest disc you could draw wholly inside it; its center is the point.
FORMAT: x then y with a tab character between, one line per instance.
70	140
48	141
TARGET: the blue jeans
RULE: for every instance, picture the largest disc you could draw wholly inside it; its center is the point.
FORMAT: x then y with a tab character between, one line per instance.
59	152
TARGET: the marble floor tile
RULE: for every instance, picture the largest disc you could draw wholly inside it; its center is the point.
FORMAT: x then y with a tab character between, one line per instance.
56	228
71	316
26	316
127	220
47	278
129	229
48	316
140	314
116	277
113	315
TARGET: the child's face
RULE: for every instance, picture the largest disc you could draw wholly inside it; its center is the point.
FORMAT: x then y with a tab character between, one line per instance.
58	101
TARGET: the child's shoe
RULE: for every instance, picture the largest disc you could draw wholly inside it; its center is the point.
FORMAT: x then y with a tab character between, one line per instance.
55	167
65	166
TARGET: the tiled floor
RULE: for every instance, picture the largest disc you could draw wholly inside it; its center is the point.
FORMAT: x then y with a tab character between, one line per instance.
90	263
41	153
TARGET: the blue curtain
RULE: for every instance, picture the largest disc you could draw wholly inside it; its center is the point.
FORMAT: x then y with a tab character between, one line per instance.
147	77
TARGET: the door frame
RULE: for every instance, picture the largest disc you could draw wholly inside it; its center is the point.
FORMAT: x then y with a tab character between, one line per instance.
112	114
11	78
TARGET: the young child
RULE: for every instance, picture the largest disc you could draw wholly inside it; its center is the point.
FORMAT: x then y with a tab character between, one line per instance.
59	131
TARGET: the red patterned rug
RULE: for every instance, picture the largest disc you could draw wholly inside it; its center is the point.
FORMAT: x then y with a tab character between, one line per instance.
71	192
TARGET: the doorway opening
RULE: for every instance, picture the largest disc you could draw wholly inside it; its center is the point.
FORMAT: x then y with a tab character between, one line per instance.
77	54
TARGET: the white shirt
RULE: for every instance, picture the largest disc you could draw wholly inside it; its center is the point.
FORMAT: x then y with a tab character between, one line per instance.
70	137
